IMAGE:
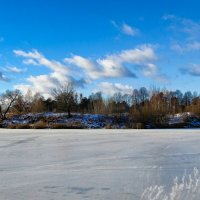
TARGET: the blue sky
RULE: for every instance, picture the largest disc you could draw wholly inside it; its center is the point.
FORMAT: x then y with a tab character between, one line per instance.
104	45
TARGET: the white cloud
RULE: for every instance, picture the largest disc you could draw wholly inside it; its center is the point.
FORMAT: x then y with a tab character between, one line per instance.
112	88
169	17
178	48
162	78
30	62
14	69
180	24
192	46
187	29
122	64
24	88
126	28
113	68
36	58
81	62
193	69
100	68
3	77
45	83
150	70
142	54
42	84
114	65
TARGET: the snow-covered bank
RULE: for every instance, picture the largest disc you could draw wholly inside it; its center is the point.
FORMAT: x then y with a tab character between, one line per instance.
96	121
49	120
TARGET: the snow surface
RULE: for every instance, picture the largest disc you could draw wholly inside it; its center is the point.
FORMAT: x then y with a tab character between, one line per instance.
99	164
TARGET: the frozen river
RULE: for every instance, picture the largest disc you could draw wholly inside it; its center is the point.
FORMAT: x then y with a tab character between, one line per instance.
99	164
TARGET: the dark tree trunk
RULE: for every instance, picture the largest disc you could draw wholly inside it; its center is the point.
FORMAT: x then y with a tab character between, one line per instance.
69	112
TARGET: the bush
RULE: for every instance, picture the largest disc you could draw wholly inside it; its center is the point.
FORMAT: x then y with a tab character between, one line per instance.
137	125
59	126
1	123
23	126
12	126
39	125
108	126
19	126
71	125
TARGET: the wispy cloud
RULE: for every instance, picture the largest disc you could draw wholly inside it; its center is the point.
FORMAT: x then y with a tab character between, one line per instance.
193	69
112	88
180	24
182	48
126	28
186	33
14	69
3	77
187	40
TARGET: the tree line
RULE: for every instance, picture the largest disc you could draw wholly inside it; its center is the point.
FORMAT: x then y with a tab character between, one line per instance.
143	105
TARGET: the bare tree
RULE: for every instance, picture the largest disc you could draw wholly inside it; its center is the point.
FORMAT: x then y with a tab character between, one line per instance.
7	102
97	103
38	104
143	95
65	98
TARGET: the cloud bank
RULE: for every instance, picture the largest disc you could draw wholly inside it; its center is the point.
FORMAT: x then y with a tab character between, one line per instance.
119	65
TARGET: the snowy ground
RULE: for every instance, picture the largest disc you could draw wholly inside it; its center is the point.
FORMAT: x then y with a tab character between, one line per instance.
99	164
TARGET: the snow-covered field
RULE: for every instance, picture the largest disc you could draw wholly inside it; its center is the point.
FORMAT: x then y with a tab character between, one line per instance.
99	164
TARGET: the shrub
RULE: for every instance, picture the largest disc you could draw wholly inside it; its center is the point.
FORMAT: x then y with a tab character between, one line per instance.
23	126
39	125
18	126
70	125
108	126
137	126
59	126
12	126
